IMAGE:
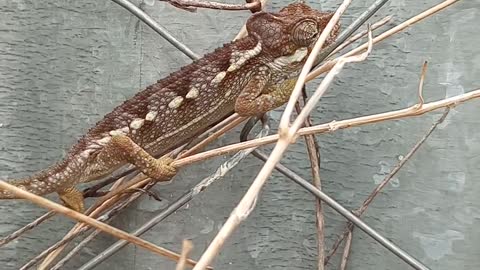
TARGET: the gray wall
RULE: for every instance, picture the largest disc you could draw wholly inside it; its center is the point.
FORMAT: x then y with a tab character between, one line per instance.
63	64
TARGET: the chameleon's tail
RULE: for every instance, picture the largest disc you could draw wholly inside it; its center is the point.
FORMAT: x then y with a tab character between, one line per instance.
41	183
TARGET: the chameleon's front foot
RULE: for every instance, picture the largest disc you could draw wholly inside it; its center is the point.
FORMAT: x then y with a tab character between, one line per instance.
73	199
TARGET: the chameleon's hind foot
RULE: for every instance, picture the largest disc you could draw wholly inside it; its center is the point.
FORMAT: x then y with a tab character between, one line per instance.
73	199
162	170
158	169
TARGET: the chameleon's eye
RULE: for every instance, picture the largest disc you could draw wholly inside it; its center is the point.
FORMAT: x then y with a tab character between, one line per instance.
305	32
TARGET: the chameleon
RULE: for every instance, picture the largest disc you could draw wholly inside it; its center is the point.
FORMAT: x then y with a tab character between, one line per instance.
249	76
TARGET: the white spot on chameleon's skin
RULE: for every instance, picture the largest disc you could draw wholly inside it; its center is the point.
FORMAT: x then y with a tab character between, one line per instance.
283	61
137	123
193	93
104	140
239	58
151	115
85	154
176	102
219	78
227	94
120	131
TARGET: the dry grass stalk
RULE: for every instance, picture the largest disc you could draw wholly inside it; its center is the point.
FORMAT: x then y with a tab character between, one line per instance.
187	247
356	37
336	125
313	150
427	13
92	222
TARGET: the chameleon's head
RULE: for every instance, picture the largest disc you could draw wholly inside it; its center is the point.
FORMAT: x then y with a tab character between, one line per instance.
290	33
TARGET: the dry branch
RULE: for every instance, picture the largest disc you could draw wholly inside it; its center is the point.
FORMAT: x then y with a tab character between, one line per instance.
90	221
427	13
313	150
336	125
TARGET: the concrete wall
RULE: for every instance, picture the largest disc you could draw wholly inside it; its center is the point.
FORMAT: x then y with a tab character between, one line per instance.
63	64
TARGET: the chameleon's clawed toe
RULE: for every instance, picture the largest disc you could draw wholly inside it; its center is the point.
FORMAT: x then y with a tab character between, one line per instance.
73	199
165	171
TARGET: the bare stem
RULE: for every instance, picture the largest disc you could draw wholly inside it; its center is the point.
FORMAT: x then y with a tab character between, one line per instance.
314	157
329	64
90	221
192	5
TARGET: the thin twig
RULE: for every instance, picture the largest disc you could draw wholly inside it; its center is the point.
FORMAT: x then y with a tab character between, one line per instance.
384	182
187	247
420	85
356	37
192	5
5	240
429	12
314	157
346	251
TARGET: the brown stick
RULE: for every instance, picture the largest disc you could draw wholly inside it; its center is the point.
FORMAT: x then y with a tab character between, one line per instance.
92	222
314	157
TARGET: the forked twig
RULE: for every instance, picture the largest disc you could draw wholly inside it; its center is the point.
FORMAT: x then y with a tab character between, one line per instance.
356	37
425	14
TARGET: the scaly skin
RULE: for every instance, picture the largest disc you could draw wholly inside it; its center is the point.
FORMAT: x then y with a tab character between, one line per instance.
250	76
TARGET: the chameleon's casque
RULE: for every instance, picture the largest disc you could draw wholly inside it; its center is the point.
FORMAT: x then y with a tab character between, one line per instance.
249	76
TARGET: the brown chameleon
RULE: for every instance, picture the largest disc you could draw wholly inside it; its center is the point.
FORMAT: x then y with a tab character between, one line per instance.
250	76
